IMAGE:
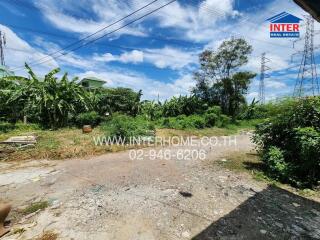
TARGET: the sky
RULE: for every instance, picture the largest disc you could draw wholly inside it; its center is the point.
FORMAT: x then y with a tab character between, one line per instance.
157	53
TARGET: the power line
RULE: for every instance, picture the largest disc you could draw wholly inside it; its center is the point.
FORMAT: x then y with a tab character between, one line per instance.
120	47
216	13
150	51
2	45
263	75
106	34
100	30
157	37
148	65
169	40
102	44
307	80
154	37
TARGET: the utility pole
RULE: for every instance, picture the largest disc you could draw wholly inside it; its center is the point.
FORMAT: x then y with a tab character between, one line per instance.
307	82
263	76
2	45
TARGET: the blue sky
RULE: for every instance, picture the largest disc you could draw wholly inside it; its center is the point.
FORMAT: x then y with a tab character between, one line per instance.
156	54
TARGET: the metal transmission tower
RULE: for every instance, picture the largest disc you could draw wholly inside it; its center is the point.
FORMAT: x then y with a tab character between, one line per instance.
263	75
2	45
307	82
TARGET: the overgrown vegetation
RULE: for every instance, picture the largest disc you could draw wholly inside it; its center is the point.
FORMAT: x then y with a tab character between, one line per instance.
59	144
289	142
88	118
126	127
6	127
55	103
48	102
251	163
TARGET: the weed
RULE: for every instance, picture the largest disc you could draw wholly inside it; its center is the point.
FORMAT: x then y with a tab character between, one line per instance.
35	207
48	236
58	144
251	163
18	231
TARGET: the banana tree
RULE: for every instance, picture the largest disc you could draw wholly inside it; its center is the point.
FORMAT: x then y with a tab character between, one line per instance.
49	101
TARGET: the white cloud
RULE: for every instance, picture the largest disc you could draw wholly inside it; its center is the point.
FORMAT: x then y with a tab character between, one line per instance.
68	16
273	63
252	95
222	8
275	84
8	7
70	59
134	56
169	57
18	51
198	22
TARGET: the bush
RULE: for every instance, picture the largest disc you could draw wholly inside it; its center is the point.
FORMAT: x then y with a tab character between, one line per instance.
276	162
262	111
223	121
26	127
215	109
126	127
6	127
212	116
295	131
193	121
184	122
211	119
308	147
88	118
166	123
172	122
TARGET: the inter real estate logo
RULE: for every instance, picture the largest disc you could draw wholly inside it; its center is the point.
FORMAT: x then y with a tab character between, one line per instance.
284	25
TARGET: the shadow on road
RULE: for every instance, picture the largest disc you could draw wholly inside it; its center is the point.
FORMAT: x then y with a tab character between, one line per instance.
273	213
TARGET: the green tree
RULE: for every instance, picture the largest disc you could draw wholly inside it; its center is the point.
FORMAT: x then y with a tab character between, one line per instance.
8	112
219	81
49	101
151	110
183	105
111	100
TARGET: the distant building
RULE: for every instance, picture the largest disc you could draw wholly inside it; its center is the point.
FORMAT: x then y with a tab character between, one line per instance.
91	83
5	72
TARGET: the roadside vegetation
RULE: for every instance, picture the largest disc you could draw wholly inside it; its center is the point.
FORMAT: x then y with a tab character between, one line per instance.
287	131
251	163
289	142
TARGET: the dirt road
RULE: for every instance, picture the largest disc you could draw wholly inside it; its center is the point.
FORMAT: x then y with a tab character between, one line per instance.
113	197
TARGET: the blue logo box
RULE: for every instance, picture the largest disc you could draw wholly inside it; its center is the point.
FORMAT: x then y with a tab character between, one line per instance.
284	34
